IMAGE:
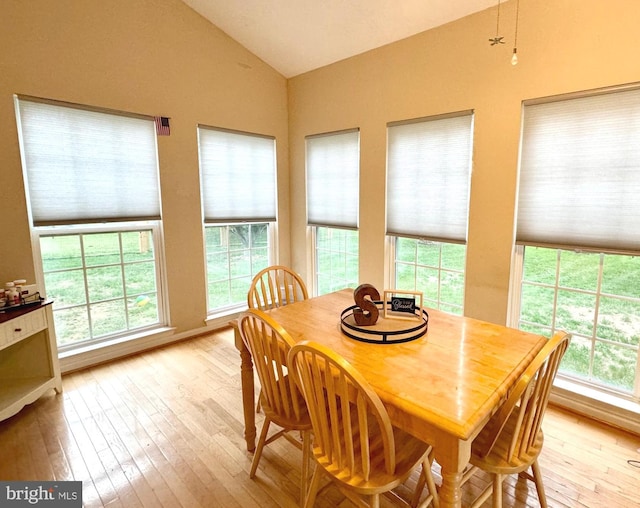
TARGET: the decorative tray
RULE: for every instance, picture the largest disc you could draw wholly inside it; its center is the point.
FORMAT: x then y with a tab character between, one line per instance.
387	330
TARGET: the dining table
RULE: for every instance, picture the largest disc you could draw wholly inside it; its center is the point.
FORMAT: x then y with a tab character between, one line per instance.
442	387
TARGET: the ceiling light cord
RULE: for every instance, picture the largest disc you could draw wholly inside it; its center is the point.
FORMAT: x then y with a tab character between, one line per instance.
514	57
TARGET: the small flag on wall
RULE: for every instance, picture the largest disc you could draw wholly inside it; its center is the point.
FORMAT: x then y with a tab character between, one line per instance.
162	125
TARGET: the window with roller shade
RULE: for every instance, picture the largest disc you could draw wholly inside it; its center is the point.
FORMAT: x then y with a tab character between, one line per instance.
428	177
91	177
238	180
578	217
332	169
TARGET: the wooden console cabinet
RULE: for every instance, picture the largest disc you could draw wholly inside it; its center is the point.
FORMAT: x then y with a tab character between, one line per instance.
28	357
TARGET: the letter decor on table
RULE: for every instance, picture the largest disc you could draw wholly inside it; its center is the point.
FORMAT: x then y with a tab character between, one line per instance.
366	312
364	321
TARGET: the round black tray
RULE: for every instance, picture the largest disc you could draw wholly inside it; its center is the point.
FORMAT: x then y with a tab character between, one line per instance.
389	330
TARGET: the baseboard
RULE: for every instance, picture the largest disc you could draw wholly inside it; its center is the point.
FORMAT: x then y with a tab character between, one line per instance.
606	408
95	354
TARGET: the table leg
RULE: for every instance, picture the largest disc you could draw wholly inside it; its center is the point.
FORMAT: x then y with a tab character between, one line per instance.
248	394
453	457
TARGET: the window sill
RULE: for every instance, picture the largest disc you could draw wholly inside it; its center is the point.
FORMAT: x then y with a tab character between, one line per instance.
604	407
82	357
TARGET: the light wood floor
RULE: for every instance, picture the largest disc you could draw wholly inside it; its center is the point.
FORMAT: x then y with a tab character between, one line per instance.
164	428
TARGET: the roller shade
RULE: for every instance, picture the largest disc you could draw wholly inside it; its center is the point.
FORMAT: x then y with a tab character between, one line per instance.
333	166
428	175
580	172
238	176
85	166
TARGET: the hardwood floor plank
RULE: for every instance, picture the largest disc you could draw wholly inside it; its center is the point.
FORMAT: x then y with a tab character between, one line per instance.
165	428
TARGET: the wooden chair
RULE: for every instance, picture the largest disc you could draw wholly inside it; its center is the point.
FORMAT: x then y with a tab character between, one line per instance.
275	286
282	402
354	443
512	440
272	287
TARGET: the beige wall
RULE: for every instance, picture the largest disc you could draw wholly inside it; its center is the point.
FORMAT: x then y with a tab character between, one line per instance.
563	45
154	57
158	57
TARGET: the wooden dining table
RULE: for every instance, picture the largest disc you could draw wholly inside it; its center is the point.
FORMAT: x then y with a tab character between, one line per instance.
441	387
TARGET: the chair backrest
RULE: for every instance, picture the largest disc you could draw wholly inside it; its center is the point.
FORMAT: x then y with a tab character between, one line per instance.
274	287
269	344
529	399
348	418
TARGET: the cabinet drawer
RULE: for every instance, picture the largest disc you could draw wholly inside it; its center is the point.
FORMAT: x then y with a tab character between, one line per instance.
22	326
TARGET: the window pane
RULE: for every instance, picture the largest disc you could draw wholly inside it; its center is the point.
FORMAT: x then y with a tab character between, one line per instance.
452	288
106	313
621	275
406	249
143	310
575	312
453	256
577	359
140	278
615	366
108	317
234	253
65	288
579	270
540	265
429	253
72	325
537	305
619	320
605	355
336	259
137	246
428	281
105	283
101	249
405	276
60	252
442	288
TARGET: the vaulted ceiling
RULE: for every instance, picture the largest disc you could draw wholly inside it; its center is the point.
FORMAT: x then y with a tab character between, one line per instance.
296	36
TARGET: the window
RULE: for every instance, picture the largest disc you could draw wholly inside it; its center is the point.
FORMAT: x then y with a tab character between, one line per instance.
577	264
333	165
238	175
435	268
103	283
336	259
428	174
594	296
92	184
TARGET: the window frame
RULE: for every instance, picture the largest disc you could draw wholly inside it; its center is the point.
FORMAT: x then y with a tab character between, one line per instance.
314	249
594	391
393	262
120	227
515	310
271	254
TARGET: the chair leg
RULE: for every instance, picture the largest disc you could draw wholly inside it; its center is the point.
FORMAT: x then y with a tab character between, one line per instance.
304	472
258	453
310	498
497	490
426	477
537	478
419	488
431	482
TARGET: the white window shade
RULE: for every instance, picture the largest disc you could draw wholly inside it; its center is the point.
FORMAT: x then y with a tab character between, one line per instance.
428	175
86	166
333	166
238	172
580	173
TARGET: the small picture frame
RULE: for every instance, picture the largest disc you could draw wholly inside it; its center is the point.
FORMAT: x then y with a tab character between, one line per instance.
400	304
